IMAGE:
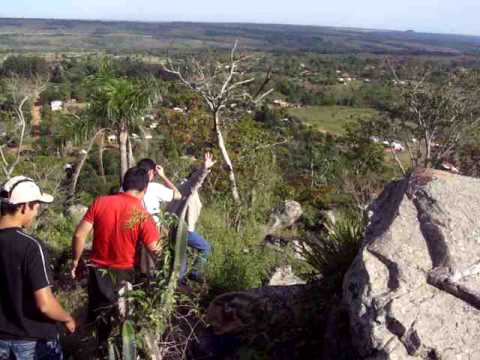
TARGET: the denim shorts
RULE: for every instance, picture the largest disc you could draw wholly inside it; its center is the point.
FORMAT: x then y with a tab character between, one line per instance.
30	350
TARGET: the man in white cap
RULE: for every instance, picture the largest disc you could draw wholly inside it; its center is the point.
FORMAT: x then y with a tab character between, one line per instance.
28	309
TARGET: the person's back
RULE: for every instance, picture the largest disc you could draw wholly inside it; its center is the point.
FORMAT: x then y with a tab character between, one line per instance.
28	309
119	221
23	270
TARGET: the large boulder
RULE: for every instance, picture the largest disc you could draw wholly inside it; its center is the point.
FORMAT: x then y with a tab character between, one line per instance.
413	291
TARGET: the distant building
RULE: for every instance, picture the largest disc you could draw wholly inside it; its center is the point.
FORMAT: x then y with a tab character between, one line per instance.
282	103
56	105
112	138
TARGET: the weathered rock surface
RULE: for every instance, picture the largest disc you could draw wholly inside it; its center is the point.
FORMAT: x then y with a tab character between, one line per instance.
413	292
284	216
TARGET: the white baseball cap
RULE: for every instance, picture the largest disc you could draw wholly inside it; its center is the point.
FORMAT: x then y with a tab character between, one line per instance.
21	189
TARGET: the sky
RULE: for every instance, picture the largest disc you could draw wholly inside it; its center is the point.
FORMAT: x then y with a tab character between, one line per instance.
439	16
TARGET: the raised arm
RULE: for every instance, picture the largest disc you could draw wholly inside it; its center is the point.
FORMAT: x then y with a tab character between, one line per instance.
161	174
196	180
78	243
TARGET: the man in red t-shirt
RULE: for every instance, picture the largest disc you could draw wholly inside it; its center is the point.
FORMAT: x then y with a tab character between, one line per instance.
118	222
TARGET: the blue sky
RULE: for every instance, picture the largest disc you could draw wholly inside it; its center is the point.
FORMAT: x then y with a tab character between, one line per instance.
444	16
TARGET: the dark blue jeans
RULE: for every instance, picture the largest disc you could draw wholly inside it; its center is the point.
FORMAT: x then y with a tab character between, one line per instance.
30	350
196	241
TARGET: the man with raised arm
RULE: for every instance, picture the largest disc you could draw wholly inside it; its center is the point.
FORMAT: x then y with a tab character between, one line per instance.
157	193
28	309
191	203
118	222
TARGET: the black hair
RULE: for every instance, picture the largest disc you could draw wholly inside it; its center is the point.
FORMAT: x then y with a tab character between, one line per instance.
135	178
12	209
147	164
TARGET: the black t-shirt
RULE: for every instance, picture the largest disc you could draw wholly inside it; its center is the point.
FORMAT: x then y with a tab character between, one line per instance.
23	270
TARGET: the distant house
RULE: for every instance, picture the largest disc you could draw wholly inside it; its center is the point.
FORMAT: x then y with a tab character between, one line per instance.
282	103
56	105
112	138
397	147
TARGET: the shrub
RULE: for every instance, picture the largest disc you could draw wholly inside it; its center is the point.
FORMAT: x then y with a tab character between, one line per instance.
237	260
332	252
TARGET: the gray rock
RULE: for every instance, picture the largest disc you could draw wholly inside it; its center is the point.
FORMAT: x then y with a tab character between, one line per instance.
421	226
284	216
284	276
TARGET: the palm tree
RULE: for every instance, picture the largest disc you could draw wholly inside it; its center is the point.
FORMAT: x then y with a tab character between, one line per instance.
119	103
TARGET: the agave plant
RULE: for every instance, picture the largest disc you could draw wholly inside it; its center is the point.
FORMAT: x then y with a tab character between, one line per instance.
332	252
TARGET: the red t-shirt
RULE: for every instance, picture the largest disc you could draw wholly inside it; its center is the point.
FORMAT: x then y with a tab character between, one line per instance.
119	221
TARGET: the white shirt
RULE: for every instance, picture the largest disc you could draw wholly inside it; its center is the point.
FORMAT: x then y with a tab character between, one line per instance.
156	194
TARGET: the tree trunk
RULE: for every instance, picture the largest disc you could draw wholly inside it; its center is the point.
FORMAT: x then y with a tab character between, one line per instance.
131	158
226	159
80	165
122	141
101	148
428	151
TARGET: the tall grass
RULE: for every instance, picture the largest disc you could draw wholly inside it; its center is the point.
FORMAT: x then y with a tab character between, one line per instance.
238	261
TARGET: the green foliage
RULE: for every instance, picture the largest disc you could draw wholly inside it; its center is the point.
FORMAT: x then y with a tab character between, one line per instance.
129	348
238	261
25	66
332	252
117	100
332	119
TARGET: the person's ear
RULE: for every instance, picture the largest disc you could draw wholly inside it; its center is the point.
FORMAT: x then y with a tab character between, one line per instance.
23	209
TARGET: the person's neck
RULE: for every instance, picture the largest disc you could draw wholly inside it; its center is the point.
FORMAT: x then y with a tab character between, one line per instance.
9	222
135	193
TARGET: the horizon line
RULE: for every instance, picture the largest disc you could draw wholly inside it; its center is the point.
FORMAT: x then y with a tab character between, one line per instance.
238	23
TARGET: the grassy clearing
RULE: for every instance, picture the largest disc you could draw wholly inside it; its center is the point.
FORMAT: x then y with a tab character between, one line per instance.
331	119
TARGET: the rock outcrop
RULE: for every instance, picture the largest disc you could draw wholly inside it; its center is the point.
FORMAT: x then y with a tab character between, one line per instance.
284	216
413	291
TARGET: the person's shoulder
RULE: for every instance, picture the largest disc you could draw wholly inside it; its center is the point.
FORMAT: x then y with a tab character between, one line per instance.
158	189
106	199
154	186
27	239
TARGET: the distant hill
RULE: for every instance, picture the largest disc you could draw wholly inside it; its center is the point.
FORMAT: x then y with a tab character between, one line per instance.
48	35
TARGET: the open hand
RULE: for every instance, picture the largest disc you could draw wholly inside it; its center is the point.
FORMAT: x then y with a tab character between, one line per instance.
208	161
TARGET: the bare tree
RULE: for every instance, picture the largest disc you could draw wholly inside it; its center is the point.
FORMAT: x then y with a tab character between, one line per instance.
219	84
433	116
19	92
73	186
